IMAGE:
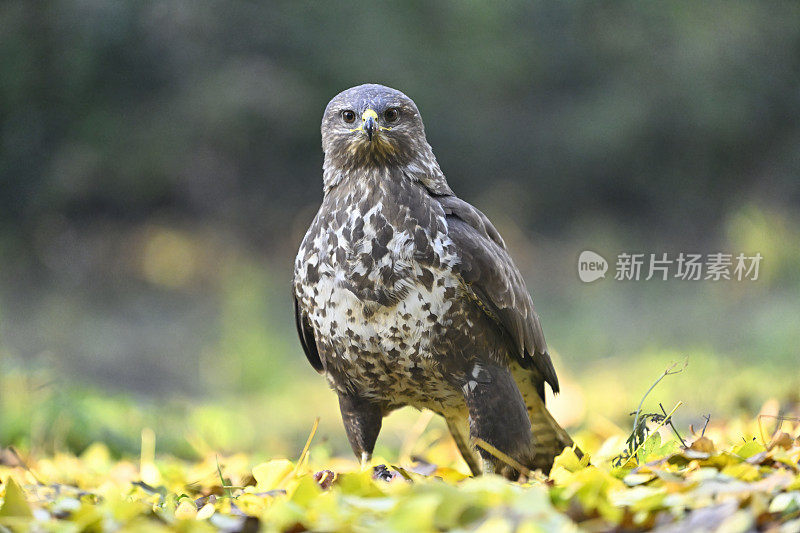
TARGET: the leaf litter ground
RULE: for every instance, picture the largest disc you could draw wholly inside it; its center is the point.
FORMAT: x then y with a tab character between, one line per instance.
732	477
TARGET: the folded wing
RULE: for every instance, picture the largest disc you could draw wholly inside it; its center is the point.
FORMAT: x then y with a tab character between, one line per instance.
496	285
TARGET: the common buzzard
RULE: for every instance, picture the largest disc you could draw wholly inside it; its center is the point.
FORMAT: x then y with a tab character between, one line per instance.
405	294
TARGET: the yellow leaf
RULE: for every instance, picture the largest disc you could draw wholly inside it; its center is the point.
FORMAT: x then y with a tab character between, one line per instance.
14	502
122	509
205	512
569	460
88	517
360	484
186	510
306	491
273	474
610	512
743	471
96	456
252	504
449	474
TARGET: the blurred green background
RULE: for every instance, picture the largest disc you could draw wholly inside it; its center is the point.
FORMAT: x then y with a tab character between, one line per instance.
160	162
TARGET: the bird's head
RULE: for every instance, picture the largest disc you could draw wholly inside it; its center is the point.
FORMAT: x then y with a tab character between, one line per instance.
372	125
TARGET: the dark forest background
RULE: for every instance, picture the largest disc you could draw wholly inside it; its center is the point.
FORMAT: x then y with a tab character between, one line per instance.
160	161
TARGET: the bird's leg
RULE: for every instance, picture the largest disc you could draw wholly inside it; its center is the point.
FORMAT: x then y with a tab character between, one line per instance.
362	423
460	431
497	415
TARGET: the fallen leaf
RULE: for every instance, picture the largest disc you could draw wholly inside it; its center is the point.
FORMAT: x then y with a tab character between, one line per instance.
14	502
703	445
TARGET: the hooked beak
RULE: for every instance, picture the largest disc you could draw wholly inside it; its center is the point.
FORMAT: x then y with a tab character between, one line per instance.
370	124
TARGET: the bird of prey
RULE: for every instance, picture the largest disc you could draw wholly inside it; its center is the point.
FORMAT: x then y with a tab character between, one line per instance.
405	294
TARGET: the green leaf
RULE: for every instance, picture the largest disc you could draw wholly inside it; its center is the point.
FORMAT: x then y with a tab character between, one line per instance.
651	445
749	449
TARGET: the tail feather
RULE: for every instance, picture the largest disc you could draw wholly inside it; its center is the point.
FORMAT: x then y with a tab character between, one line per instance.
548	438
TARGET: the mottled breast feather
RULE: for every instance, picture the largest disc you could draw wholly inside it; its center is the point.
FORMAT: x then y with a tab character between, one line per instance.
488	270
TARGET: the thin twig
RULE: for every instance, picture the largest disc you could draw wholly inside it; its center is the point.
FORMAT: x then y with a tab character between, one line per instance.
780	418
708	419
222	480
503	457
668	372
22	462
669	421
657	427
304	453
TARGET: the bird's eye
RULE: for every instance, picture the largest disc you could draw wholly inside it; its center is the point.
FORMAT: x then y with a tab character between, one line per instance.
391	114
348	116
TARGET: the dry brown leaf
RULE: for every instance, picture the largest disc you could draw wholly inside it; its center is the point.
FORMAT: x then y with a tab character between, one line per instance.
703	444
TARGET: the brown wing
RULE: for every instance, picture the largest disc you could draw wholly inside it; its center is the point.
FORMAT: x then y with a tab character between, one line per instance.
497	284
306	334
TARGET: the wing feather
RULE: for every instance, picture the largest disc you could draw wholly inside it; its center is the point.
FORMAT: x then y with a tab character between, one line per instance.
488	270
306	334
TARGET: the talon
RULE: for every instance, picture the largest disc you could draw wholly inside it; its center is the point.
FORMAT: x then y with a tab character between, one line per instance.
366	458
489	466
